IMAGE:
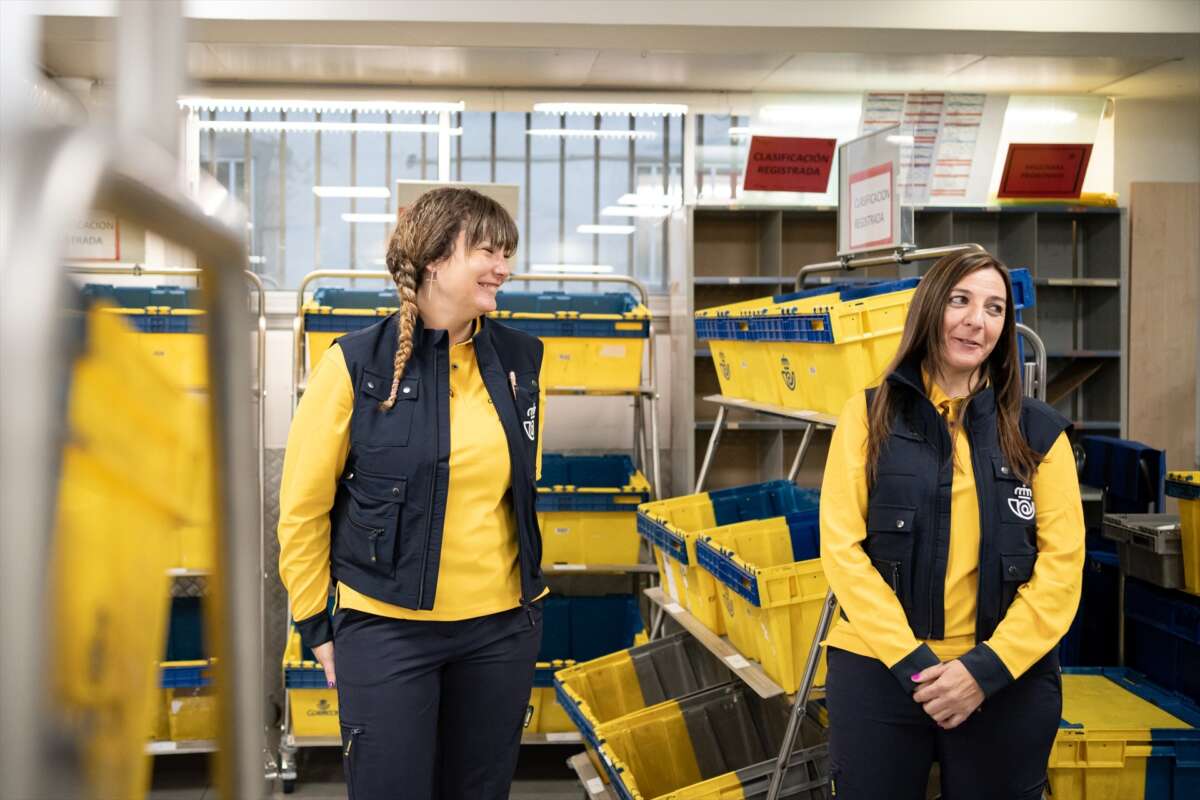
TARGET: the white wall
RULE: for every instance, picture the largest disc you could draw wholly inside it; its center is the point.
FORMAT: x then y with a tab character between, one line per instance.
1156	140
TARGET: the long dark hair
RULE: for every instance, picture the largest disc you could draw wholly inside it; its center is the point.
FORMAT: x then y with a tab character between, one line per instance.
921	343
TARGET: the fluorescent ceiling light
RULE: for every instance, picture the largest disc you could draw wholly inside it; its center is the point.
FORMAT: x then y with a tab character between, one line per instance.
1044	116
579	269
334	106
652	212
590	133
279	126
352	191
613	229
623	109
388	218
826	114
900	139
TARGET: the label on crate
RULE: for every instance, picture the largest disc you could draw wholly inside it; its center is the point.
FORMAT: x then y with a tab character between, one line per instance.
595	786
737	661
672	589
673	608
612	351
562	737
570	567
161	747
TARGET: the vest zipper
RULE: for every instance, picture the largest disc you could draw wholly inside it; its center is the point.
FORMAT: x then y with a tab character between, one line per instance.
373	538
429	512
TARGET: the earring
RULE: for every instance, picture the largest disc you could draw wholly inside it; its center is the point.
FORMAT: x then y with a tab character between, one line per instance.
430	282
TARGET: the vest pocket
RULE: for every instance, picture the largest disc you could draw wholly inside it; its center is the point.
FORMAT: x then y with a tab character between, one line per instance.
373	511
1017	568
889	545
374	426
890	570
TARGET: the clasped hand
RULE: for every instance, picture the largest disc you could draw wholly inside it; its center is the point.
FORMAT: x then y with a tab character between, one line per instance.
948	693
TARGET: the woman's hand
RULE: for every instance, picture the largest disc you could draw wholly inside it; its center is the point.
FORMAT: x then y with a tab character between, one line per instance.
948	693
324	654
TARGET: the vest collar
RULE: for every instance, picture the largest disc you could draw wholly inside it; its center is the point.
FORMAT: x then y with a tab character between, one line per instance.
910	377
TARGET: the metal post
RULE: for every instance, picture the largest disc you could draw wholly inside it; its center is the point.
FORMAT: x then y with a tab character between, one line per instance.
801	702
1038	389
713	440
805	441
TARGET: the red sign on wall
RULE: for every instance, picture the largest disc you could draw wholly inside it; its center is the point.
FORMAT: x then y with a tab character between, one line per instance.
1044	170
788	164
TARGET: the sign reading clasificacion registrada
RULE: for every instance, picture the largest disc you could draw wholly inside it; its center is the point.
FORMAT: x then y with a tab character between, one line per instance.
870	216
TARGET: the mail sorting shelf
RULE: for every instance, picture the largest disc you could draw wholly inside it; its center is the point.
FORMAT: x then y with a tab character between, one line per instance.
316	325
1034	384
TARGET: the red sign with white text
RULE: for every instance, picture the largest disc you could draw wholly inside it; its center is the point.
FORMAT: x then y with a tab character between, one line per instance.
788	164
1044	170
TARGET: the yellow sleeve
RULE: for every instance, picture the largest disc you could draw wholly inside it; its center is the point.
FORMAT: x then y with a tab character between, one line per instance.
317	446
865	598
541	420
1045	606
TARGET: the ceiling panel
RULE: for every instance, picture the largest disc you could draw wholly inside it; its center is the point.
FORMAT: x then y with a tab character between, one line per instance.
662	70
1179	78
1045	74
426	66
837	72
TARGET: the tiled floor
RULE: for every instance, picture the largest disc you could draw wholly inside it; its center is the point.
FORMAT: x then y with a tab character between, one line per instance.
542	774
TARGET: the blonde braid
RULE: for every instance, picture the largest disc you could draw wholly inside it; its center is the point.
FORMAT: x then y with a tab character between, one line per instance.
404	275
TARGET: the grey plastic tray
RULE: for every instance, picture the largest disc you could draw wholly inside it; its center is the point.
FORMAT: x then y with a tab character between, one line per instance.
1150	545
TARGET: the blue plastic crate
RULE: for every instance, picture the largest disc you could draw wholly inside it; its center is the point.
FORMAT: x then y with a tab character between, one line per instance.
184	677
305	678
143	296
1091	640
804	528
555	302
338	323
1024	294
1132	474
581	328
614	472
583	628
185	631
335	297
167	323
1163	636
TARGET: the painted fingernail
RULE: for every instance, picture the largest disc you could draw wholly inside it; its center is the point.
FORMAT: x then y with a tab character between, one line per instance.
917	677
331	684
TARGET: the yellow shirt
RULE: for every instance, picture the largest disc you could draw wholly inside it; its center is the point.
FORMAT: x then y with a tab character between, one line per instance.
478	572
1044	607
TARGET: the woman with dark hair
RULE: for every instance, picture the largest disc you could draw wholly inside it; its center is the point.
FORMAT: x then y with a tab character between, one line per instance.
952	534
410	481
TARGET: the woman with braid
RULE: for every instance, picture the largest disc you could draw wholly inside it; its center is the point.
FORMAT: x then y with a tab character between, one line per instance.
409	483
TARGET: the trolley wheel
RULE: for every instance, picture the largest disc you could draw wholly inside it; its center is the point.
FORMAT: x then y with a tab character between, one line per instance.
289	785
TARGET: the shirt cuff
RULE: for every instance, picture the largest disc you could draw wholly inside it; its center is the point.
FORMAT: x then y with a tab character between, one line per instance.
912	664
316	630
987	669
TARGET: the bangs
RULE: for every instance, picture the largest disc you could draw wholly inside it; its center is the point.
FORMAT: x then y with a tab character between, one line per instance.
487	221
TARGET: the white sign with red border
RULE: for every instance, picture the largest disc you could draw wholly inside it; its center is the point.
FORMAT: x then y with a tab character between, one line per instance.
871	220
97	238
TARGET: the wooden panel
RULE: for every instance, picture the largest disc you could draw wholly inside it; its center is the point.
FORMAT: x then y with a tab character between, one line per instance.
728	244
1164	306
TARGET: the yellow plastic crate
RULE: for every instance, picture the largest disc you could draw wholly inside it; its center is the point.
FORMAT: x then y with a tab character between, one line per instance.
546	715
578	361
740	364
192	714
589	537
1185	487
778	629
317	319
822	376
671	751
179	352
116	499
314	712
681	521
1122	738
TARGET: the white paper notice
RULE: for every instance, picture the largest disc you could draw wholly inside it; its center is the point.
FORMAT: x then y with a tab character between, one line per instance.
737	662
562	737
595	786
570	567
672	589
871	207
673	608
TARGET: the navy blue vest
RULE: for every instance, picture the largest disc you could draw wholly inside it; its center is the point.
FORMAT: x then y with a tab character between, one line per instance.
391	499
908	517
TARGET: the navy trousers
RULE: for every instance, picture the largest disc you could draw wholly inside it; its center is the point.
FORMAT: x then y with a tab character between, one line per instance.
433	710
882	744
